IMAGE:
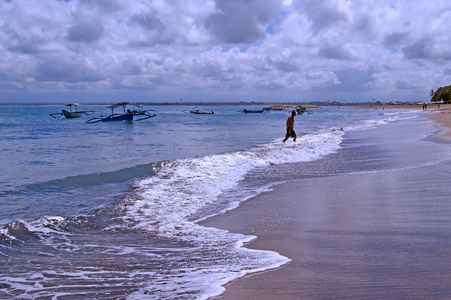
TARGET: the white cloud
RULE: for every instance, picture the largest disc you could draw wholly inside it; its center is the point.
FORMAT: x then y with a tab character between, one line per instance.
228	49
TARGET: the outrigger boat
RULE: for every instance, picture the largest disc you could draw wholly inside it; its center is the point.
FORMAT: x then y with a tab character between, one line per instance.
127	116
299	109
72	114
195	110
253	111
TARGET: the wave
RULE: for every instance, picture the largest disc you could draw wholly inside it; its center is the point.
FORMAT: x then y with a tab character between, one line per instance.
89	180
167	204
167	199
16	231
164	203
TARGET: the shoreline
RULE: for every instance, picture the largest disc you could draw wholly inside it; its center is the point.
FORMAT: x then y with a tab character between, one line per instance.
327	239
440	114
443	119
430	107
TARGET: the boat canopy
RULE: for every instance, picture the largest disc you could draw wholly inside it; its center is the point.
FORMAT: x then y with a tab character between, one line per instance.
113	106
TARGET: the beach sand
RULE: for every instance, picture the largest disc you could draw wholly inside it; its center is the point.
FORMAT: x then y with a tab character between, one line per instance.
443	118
375	223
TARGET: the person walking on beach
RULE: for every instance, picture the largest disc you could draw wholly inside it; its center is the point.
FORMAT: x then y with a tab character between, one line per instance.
290	125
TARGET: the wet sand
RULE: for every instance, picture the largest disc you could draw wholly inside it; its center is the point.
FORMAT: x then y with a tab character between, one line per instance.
443	118
375	225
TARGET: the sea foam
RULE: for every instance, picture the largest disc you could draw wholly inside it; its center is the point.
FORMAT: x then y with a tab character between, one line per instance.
164	205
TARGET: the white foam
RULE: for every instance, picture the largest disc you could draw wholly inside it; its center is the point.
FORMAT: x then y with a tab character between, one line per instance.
164	204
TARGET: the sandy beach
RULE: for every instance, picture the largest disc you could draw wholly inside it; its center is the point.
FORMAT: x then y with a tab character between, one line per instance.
373	224
443	118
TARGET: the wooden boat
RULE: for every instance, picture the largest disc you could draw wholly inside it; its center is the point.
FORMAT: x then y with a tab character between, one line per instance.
280	107
127	116
72	114
253	111
299	109
195	110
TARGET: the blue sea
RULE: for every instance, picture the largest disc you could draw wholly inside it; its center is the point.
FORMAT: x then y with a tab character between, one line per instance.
112	210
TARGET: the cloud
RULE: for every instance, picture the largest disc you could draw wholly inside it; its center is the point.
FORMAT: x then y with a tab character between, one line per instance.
241	22
416	50
323	14
335	52
86	31
66	71
233	49
354	81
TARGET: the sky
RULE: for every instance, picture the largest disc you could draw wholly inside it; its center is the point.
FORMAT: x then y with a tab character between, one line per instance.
223	50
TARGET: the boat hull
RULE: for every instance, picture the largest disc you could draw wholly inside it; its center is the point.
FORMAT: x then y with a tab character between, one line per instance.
253	111
202	113
71	115
128	118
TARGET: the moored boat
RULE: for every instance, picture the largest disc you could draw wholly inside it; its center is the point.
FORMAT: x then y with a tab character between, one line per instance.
72	114
195	110
127	116
253	111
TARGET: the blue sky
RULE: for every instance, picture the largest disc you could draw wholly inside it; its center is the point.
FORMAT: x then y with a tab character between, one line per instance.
223	50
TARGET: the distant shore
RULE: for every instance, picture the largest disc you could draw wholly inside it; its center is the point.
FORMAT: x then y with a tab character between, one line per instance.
430	107
313	104
261	104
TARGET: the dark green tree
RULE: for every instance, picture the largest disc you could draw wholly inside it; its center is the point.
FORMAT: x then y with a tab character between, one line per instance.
443	93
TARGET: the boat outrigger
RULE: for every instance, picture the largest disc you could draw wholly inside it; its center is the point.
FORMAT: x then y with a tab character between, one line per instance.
72	114
127	116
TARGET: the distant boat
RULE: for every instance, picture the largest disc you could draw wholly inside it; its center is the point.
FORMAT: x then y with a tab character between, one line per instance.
127	116
195	110
253	111
300	109
72	114
278	107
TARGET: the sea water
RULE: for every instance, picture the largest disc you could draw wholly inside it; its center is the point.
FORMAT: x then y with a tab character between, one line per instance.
112	210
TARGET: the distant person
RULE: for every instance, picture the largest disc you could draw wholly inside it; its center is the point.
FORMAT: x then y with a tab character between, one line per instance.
290	126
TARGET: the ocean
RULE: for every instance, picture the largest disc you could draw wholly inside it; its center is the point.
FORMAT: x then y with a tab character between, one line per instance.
112	210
